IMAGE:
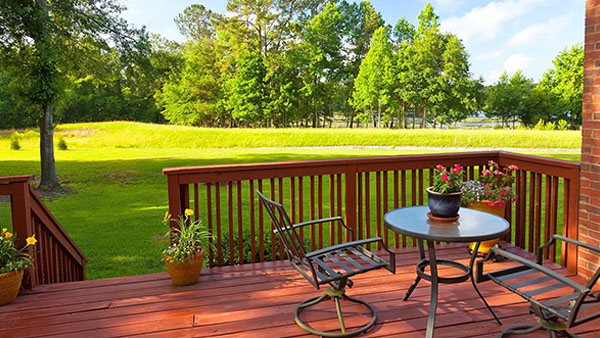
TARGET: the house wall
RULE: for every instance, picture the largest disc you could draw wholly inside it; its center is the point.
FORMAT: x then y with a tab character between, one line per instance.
589	212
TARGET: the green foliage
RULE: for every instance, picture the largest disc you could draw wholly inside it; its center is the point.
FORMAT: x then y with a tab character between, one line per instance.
62	144
539	125
11	258
507	97
447	180
189	239
562	125
14	141
245	91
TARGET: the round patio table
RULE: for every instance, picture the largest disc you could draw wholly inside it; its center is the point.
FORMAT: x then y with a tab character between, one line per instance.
472	226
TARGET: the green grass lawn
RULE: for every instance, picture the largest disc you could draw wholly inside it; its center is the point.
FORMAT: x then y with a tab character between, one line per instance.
117	196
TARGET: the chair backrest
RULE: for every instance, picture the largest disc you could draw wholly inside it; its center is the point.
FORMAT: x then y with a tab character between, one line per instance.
284	227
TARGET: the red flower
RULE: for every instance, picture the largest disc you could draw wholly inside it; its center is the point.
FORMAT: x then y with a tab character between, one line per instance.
455	170
487	185
491	204
501	203
440	167
487	192
448	182
444	176
458	167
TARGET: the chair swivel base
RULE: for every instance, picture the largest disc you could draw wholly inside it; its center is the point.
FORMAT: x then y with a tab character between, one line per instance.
553	329
335	295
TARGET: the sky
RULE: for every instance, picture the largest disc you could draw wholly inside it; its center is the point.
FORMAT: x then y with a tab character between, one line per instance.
500	35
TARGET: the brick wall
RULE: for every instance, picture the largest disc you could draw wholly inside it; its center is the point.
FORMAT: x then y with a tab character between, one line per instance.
589	215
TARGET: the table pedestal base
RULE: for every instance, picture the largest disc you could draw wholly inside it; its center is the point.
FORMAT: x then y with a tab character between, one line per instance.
435	280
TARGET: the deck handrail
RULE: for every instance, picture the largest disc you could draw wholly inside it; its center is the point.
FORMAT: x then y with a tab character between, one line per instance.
56	257
353	184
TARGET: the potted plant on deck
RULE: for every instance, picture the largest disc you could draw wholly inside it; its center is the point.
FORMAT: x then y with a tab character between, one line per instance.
13	263
491	193
185	255
444	196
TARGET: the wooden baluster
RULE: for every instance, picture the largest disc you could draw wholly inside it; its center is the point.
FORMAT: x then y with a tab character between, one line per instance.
414	194
331	209
523	210
230	221
396	205
196	203
209	222
538	210
403	199
385	206
531	225
548	216
252	226
273	237
218	223
313	235
367	207
240	229
301	206
261	227
554	223
360	207
280	186
320	209
421	187
293	200
340	211
378	205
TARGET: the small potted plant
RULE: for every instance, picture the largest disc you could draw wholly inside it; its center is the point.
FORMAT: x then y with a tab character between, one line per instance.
491	193
185	255
444	195
13	262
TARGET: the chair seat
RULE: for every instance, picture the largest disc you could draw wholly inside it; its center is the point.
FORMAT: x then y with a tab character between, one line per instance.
345	262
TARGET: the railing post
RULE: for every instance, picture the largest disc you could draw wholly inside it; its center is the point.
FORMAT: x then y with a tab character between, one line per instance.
175	203
571	226
351	198
23	225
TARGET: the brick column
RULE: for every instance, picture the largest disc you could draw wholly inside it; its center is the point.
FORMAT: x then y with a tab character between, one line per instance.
589	214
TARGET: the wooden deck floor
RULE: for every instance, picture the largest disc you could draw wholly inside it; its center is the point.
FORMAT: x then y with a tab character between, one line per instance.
257	300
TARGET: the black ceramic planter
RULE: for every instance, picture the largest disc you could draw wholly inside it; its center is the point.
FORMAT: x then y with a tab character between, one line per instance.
444	205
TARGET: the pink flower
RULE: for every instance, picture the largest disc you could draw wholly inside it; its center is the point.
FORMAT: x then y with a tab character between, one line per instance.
485	172
458	167
513	167
501	203
491	204
440	167
455	170
444	176
448	182
487	192
497	172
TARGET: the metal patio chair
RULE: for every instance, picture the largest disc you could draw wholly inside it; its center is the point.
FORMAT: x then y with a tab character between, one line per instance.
530	279
333	265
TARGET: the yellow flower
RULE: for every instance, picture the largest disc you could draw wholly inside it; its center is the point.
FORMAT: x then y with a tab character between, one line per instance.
189	212
167	216
7	235
4	230
31	240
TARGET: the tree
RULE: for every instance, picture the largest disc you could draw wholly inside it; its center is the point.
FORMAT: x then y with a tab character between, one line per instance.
37	37
245	92
373	85
196	22
507	96
564	86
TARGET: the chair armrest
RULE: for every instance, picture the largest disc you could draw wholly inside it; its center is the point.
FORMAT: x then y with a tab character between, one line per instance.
542	269
552	241
324	220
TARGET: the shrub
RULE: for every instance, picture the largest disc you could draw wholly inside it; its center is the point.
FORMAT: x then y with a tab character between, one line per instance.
247	248
562	125
62	144
14	141
550	126
539	125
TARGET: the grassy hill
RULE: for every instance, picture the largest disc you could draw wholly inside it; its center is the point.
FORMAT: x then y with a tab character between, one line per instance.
142	135
114	195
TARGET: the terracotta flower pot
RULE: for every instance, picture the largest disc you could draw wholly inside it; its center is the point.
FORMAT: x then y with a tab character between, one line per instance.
443	205
497	210
10	284
185	273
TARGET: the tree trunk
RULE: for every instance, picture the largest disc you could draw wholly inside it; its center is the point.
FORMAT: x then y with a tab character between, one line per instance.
48	179
423	115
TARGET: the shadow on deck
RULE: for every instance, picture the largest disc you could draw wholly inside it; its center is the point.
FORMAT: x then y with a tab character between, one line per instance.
258	300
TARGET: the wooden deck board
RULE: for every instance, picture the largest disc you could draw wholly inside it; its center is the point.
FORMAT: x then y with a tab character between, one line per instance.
257	300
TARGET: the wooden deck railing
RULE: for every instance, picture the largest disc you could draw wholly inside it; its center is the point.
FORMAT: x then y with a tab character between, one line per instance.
362	190
56	258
